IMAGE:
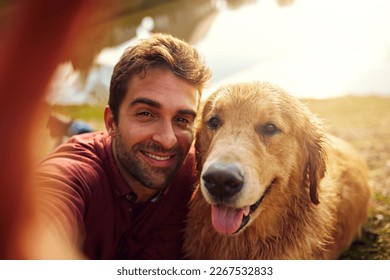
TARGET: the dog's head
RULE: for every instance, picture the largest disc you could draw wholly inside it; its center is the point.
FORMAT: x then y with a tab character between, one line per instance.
254	141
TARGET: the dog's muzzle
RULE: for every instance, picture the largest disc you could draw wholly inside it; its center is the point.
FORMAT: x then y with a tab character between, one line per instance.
222	182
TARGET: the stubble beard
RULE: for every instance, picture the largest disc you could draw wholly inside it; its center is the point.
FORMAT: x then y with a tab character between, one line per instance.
133	162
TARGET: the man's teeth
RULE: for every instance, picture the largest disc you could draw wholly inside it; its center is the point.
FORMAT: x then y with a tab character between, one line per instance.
157	157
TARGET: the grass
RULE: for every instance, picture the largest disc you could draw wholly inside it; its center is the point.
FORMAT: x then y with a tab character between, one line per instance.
362	121
88	113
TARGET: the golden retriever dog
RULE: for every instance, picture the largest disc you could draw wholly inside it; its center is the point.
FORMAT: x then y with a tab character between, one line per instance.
273	184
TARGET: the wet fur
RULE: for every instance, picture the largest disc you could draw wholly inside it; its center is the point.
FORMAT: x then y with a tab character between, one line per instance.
318	201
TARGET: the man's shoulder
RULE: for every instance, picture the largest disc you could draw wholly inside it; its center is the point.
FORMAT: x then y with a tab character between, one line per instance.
89	149
89	139
81	160
93	143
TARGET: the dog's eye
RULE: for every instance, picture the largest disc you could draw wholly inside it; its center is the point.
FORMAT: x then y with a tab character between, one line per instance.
213	122
269	129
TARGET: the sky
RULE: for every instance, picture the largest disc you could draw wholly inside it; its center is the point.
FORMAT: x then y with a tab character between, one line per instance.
313	48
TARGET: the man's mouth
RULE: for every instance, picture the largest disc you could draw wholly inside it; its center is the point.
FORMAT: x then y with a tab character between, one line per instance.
156	157
159	160
229	220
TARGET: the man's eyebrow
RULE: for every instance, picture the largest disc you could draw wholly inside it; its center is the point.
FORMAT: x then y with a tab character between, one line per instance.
187	112
147	101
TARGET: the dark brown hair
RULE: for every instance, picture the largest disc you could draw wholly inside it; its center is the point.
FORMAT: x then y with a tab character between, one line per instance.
160	50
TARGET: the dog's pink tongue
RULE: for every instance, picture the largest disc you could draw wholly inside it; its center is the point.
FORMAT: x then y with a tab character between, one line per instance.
227	220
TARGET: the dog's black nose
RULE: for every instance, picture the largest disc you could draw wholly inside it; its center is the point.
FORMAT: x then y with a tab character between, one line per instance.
223	180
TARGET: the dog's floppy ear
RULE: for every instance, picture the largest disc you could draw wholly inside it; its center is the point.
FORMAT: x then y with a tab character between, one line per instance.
201	137
315	156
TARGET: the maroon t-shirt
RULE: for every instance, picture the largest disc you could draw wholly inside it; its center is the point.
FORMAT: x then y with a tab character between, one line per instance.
82	190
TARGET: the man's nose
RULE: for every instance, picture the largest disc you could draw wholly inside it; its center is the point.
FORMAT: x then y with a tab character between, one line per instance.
165	135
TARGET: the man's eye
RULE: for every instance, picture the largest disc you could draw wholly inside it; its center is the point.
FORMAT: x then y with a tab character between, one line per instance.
144	114
184	122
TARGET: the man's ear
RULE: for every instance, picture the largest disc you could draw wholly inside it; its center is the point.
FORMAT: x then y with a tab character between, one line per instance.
109	121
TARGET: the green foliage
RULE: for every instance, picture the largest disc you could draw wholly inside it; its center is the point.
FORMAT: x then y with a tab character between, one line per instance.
83	112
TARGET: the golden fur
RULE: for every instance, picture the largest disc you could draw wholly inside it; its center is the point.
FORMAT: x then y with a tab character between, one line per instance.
316	185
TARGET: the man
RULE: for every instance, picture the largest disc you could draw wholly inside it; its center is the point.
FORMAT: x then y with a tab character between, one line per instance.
124	194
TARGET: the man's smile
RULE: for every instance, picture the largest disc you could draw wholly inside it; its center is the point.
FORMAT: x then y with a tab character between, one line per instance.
159	160
156	157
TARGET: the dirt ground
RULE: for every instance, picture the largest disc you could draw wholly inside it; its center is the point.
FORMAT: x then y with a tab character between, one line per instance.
365	122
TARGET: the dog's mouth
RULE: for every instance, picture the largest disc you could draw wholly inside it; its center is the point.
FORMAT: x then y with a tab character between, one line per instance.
229	220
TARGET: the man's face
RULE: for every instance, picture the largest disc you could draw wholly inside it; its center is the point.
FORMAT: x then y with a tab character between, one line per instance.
155	127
